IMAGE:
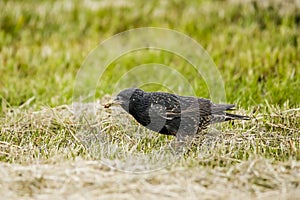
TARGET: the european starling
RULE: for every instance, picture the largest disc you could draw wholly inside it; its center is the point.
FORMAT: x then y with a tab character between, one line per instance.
172	114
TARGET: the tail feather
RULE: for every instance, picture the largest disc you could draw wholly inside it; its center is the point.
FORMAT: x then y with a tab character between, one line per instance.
219	114
230	116
220	108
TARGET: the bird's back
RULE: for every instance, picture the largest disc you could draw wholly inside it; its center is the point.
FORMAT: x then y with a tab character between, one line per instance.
173	113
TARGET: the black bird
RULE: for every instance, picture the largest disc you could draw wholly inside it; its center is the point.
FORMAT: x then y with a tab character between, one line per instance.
172	114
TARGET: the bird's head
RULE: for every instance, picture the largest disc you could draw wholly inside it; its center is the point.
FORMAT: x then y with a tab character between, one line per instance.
123	98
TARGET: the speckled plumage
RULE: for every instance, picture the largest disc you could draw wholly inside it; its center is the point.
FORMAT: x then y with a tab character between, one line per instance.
172	114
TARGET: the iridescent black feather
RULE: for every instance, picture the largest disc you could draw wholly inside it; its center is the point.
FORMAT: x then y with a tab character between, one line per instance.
172	114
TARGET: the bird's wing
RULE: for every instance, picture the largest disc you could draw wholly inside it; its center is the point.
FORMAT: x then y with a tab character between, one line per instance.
166	106
170	106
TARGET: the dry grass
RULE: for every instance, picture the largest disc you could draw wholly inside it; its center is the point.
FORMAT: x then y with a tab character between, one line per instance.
259	158
83	179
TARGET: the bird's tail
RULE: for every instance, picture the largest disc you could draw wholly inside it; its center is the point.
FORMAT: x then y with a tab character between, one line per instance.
219	114
229	116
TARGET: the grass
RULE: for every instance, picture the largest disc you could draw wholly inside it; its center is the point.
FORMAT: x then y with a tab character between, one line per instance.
42	143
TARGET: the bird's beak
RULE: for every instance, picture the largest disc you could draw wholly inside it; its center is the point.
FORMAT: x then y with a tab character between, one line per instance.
115	102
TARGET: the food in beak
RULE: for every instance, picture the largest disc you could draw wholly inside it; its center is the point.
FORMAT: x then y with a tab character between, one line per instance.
112	103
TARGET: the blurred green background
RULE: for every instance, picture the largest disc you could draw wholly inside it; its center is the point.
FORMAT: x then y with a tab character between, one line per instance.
254	45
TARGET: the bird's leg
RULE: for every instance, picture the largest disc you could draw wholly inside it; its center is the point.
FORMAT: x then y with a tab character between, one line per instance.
181	145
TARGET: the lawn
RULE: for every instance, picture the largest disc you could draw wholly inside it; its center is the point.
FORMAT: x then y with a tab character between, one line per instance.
58	141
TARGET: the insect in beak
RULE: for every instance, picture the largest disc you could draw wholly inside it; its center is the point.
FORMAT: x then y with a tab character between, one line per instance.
115	102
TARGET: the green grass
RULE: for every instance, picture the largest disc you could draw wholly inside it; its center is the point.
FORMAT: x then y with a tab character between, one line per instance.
255	47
